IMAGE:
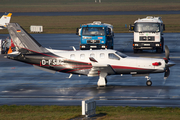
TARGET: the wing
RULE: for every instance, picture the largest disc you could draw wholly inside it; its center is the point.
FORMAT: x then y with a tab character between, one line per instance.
97	68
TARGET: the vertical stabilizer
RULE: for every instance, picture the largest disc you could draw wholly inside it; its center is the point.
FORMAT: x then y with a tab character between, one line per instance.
22	40
4	20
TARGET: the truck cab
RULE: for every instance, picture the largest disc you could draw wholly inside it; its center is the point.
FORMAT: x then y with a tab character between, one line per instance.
148	34
96	35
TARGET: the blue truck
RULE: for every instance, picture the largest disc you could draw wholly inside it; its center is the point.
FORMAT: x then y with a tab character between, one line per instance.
96	35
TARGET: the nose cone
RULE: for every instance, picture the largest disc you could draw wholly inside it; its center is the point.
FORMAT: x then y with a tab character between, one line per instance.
170	64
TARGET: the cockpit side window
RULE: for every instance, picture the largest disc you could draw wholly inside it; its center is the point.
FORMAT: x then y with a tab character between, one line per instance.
113	56
121	54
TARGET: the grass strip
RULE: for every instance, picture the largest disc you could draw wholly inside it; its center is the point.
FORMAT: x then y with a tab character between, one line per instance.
87	5
104	112
68	24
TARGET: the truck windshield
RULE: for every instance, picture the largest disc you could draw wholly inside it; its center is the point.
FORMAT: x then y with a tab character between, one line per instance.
147	27
93	31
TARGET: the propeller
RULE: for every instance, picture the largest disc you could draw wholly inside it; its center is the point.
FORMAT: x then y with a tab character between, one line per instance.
167	73
166	54
168	62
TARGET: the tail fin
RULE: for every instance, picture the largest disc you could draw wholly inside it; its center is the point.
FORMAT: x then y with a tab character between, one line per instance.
5	19
22	40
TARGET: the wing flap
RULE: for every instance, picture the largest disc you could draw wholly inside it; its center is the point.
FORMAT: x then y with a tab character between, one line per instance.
97	68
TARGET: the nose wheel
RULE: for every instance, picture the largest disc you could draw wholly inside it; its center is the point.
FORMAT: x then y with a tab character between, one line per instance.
148	82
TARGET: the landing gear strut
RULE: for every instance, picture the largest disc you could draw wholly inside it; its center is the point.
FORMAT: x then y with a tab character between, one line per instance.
102	79
148	82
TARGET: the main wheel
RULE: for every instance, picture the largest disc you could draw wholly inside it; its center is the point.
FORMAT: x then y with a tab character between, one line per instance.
158	50
148	83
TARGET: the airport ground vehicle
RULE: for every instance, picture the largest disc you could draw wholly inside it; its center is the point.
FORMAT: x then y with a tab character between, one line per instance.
96	35
148	34
5	45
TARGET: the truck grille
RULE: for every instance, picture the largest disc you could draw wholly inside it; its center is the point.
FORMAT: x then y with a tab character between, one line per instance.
147	38
93	41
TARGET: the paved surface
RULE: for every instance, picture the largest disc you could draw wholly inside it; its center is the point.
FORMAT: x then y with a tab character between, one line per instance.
22	84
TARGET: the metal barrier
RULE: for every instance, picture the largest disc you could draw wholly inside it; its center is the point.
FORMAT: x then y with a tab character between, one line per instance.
88	107
36	28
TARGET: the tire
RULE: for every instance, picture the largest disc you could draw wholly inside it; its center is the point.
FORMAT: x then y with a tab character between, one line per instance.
135	50
162	45
158	50
148	83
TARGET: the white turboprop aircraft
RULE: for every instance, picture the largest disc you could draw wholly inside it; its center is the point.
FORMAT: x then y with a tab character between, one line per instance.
83	62
4	20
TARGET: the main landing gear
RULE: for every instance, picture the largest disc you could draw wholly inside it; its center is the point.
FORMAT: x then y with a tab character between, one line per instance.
148	82
102	79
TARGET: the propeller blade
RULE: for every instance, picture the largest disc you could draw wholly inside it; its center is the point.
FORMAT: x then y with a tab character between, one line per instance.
167	73
167	52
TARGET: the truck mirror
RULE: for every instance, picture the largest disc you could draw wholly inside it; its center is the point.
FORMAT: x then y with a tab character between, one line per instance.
77	31
131	27
109	32
163	27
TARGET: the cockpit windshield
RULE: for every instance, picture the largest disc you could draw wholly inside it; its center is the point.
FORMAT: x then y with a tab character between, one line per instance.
121	54
147	27
93	31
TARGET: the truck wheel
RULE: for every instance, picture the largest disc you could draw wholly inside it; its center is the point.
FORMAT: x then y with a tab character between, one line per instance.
135	50
162	49
158	50
162	45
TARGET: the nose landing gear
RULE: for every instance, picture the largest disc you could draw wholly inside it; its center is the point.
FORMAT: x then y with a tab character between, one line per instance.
148	82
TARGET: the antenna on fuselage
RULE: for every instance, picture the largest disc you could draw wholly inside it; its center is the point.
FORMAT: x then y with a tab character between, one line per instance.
73	48
70	75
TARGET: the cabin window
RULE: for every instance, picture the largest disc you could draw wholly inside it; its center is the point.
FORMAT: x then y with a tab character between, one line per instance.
102	55
92	55
72	56
82	56
113	56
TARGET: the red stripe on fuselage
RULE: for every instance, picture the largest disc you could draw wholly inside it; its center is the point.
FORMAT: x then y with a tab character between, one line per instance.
77	70
125	67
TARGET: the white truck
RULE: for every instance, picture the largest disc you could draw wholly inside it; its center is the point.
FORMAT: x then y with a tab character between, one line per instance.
148	34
